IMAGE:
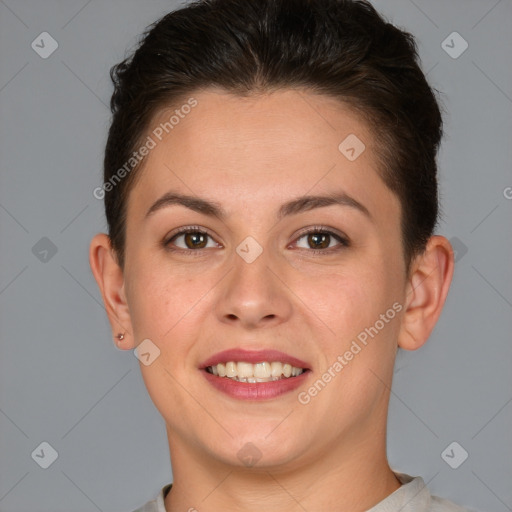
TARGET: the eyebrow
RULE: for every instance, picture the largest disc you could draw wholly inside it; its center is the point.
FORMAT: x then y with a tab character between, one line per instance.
293	207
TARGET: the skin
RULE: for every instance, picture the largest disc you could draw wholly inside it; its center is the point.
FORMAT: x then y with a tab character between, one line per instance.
251	155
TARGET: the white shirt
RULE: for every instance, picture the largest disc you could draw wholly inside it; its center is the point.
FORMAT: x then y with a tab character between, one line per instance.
412	496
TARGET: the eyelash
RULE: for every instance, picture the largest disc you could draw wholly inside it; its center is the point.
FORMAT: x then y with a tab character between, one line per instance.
313	230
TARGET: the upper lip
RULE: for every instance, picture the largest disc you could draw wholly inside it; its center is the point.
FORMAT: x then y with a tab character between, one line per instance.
253	356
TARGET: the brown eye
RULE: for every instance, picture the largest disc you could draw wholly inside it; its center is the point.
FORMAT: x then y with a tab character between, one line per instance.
195	240
189	240
319	240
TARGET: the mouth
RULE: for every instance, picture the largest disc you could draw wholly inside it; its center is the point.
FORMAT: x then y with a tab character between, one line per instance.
254	375
242	371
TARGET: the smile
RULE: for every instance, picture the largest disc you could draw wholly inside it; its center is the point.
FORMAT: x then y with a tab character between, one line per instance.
254	375
260	372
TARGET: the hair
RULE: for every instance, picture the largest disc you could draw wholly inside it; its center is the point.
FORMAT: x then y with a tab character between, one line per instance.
340	48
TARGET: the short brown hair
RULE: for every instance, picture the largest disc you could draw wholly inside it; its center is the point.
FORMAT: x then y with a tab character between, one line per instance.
340	48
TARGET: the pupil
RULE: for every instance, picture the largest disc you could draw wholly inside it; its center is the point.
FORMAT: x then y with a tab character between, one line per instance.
315	239
195	237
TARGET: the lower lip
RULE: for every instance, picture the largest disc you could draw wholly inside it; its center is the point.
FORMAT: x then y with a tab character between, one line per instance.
256	390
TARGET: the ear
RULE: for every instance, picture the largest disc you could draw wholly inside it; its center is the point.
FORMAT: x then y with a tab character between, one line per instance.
110	279
427	287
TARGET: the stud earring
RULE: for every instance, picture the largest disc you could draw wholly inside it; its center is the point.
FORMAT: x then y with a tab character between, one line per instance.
120	336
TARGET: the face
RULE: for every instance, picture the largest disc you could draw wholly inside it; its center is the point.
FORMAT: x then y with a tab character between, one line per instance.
320	281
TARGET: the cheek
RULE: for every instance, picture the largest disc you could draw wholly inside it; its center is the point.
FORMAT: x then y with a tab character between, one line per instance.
163	302
359	356
346	302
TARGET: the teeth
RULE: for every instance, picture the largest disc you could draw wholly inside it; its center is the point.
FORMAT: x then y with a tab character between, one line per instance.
244	370
262	370
231	370
252	373
276	369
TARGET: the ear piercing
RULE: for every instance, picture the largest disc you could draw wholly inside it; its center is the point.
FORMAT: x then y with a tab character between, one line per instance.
120	336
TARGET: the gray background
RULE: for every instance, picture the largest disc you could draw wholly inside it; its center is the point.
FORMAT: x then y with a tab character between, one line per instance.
61	378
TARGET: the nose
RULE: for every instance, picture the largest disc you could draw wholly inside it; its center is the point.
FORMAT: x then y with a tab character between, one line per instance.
254	295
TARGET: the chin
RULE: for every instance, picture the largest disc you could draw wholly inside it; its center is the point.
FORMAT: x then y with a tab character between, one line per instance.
253	447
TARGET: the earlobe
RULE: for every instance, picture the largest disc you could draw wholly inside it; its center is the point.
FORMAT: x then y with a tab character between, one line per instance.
110	279
427	289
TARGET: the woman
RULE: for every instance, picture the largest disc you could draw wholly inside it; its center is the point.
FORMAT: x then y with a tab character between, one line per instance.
271	197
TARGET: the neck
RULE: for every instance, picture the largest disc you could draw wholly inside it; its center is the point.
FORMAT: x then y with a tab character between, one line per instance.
351	475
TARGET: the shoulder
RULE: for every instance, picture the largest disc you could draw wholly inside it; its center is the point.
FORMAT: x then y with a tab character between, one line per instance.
156	505
414	496
442	505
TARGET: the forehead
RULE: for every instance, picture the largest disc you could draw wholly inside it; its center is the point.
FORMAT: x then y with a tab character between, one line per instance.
257	150
287	124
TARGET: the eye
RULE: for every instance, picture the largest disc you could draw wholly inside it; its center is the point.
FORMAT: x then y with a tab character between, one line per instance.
192	237
319	240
